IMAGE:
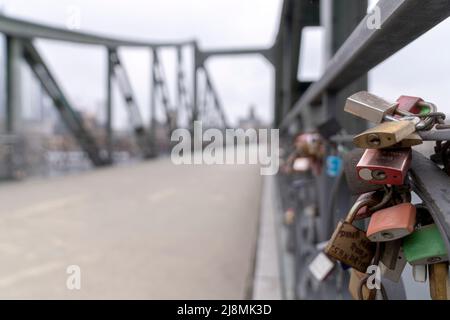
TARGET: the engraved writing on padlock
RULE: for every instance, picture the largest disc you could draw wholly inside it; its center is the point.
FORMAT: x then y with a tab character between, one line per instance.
385	134
384	166
354	183
369	106
425	246
349	244
392	223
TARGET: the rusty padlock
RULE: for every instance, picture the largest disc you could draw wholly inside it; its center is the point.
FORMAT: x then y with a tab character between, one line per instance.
349	244
354	182
384	166
392	223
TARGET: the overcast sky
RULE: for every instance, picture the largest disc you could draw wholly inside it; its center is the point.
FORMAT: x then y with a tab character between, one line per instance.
419	69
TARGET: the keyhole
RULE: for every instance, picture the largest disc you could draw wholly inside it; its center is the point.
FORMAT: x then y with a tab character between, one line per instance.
373	139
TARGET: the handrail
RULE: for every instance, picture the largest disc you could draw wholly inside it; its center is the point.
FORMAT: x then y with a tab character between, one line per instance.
365	48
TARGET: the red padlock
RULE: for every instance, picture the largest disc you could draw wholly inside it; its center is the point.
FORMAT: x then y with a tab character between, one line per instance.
392	223
409	104
384	166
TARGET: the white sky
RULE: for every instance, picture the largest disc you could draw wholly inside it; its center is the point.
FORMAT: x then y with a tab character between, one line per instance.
420	69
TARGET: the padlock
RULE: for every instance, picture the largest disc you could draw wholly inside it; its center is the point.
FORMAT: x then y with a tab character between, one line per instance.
314	144
396	263
414	105
385	134
409	104
354	183
289	216
413	139
370	107
334	165
419	272
321	266
390	252
392	223
439	285
384	166
349	244
354	285
425	246
301	164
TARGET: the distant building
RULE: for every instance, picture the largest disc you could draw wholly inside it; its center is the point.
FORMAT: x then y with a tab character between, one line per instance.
251	121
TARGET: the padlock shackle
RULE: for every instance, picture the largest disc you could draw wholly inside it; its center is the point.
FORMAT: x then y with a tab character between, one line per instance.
356	207
423	124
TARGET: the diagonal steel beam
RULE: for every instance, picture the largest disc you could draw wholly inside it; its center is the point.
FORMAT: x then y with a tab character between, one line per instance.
124	85
365	48
217	102
67	112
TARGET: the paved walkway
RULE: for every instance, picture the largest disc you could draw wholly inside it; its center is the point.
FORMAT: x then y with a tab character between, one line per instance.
152	230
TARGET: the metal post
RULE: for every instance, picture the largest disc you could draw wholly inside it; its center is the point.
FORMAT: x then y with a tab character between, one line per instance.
13	85
179	77
345	16
325	183
338	26
195	84
109	102
153	89
13	107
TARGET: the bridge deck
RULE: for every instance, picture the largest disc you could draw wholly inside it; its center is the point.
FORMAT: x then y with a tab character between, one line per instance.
151	230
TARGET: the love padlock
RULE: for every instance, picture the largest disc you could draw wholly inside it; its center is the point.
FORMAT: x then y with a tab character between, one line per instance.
385	134
334	165
425	246
410	104
384	166
355	184
392	261
392	223
349	244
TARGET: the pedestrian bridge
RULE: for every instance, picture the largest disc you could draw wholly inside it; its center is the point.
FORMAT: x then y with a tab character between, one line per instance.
151	230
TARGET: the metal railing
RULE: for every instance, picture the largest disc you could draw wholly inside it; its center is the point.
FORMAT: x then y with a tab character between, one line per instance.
354	49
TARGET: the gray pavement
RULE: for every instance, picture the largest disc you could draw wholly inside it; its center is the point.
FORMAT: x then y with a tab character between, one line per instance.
147	231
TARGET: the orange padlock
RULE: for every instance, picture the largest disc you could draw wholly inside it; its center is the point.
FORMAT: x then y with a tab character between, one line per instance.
392	223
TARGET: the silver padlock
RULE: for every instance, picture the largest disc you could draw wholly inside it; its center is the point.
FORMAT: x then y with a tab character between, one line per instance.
391	252
321	266
419	272
370	107
394	274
